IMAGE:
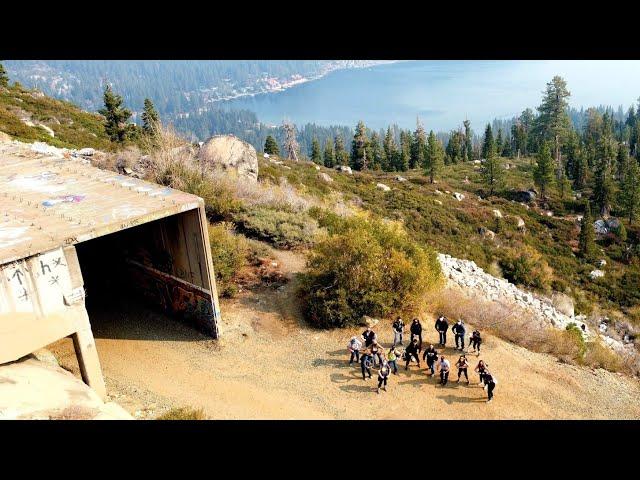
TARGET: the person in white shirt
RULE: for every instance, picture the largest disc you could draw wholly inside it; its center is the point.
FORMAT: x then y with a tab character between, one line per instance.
354	347
443	367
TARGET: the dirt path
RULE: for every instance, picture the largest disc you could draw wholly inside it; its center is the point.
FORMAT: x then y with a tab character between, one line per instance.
269	365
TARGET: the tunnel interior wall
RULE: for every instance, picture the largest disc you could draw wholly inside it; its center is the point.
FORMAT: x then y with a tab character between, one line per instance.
165	262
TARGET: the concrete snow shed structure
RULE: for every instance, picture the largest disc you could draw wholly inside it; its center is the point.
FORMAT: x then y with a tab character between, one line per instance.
68	229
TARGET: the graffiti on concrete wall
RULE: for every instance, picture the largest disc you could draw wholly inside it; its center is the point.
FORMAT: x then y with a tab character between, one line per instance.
175	296
63	199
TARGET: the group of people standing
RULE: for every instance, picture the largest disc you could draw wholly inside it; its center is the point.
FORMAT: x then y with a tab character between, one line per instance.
368	352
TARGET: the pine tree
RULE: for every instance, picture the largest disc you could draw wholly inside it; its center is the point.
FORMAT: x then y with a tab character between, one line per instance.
376	154
553	121
271	146
603	184
390	151
150	118
329	155
622	161
4	78
418	146
492	170
629	196
543	172
499	143
115	115
488	145
359	147
434	158
316	155
341	155
404	157
468	147
586	241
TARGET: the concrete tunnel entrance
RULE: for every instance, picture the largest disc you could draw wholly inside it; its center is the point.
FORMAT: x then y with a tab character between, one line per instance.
158	265
73	238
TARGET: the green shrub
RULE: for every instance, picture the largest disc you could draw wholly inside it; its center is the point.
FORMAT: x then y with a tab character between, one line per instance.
365	267
229	253
525	266
282	228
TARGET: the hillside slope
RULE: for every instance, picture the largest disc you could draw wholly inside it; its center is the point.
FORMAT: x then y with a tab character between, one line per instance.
29	115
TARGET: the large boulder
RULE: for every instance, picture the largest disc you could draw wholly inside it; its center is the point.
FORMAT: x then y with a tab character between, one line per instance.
525	196
231	155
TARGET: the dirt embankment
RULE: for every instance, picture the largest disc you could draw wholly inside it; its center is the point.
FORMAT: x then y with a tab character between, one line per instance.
269	365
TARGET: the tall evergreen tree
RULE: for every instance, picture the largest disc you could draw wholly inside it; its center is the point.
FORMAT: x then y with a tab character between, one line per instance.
488	145
376	153
418	146
603	184
341	155
499	143
434	158
492	170
271	146
543	172
4	78
468	146
316	155
115	115
630	192
329	155
586	240
390	151
359	146
553	121
150	118
404	157
622	161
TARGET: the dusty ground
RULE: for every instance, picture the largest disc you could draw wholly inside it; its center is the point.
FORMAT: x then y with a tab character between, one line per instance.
269	365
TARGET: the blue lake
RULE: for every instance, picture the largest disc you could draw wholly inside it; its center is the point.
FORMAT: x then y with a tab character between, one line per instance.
443	93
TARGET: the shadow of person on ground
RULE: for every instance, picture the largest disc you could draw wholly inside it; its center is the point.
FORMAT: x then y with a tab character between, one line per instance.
451	399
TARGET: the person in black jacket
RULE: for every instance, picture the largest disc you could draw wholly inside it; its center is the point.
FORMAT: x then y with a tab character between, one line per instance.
416	331
442	326
369	336
476	341
398	330
412	351
430	355
490	384
459	331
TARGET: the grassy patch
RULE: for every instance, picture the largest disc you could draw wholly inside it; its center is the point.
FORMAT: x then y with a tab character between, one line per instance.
183	413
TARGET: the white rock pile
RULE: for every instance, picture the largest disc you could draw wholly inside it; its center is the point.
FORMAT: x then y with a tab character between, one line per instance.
476	281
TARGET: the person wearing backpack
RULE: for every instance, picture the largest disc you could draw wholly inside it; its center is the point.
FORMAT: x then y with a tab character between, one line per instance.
462	365
441	327
490	383
459	331
383	376
392	359
354	347
416	331
430	355
398	331
412	351
475	341
443	367
365	363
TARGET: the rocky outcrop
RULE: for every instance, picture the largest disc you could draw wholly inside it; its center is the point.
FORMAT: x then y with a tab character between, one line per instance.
325	177
230	155
475	281
383	187
39	389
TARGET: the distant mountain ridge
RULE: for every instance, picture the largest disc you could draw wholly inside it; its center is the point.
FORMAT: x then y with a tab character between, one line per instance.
177	87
